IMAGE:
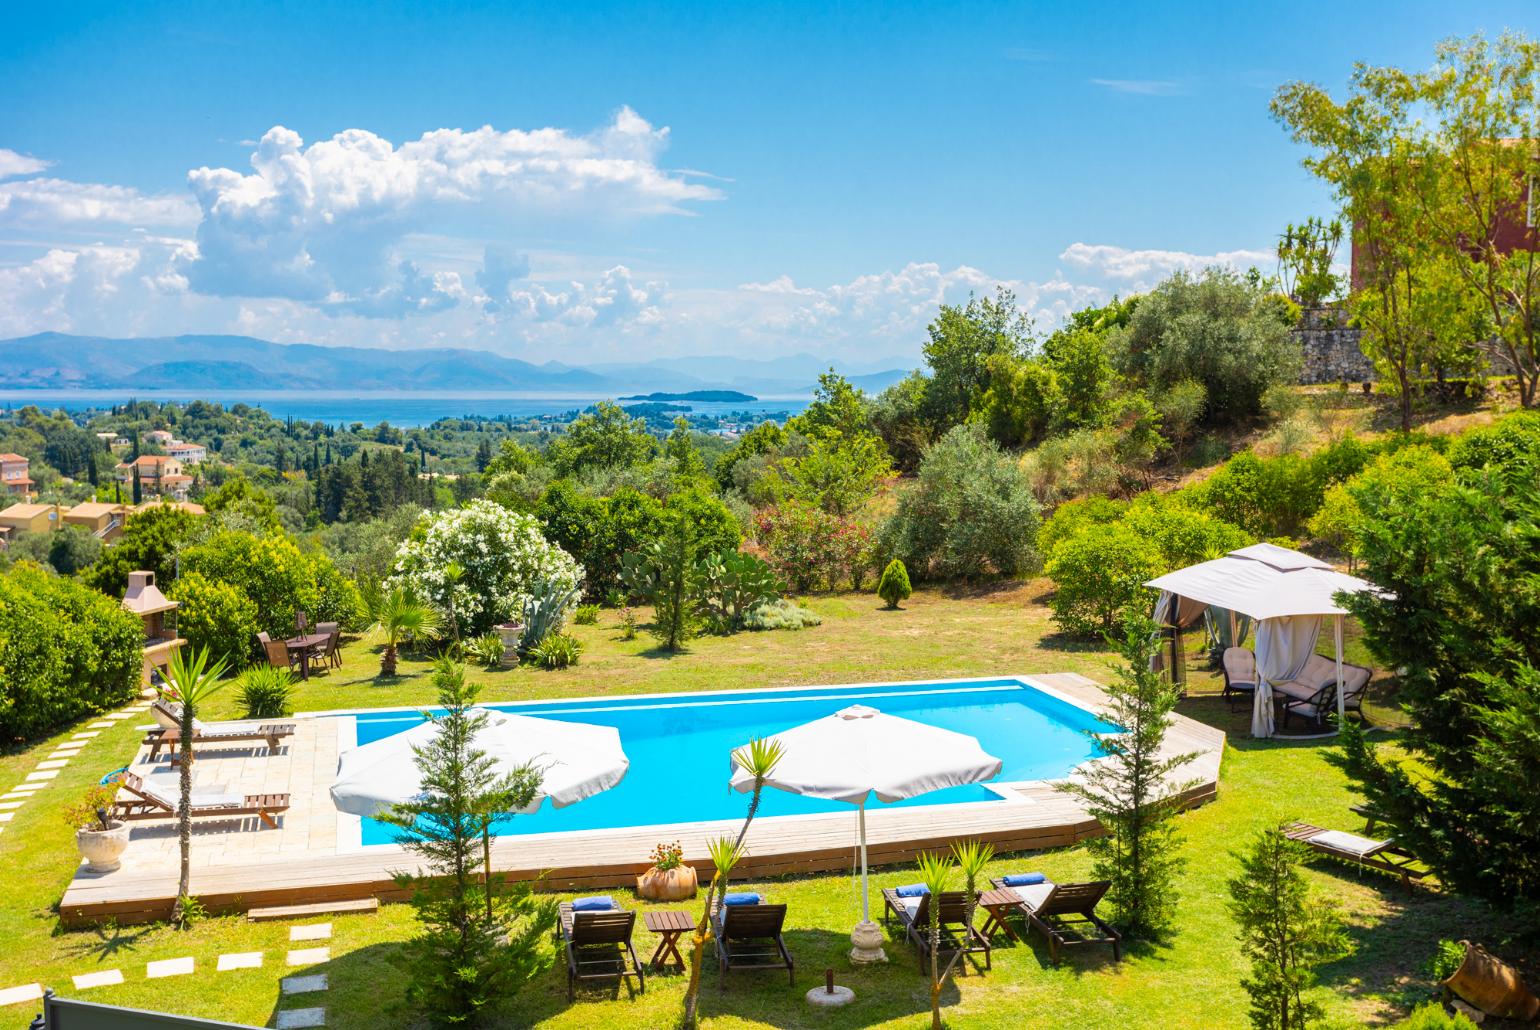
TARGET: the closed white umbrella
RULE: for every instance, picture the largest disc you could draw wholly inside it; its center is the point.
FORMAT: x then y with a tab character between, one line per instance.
577	760
859	752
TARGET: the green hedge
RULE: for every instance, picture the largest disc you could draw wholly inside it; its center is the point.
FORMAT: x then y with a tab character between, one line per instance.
65	651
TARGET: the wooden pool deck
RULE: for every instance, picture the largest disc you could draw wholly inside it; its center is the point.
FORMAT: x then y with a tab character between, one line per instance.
312	858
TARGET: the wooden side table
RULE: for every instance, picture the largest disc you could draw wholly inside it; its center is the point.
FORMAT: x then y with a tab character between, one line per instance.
669	925
1001	903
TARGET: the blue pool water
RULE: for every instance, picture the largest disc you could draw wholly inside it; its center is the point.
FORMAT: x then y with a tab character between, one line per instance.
679	746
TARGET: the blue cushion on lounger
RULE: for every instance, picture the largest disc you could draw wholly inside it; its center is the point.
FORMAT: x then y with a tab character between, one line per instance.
741	899
1022	879
912	890
598	903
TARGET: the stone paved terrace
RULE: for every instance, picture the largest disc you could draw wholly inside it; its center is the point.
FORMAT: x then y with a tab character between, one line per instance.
316	856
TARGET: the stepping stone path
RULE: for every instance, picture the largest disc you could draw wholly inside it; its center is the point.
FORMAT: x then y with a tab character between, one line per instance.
293	1019
99	726
105	979
57	763
240	960
308	984
309	956
168	967
304	984
318	932
17	995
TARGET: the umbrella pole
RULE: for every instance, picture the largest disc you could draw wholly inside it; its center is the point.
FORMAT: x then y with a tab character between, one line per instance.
866	914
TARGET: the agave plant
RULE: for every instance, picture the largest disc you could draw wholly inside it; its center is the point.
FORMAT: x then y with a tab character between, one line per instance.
544	612
400	617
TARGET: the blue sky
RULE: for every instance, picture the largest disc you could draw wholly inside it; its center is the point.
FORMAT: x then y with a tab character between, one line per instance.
768	180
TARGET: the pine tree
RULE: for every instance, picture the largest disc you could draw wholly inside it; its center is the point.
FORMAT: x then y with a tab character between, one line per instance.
894	587
682	453
475	950
138	488
483	454
1131	790
1283	931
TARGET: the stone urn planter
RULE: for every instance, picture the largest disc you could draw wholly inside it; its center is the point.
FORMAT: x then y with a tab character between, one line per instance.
103	849
676	884
511	633
1492	985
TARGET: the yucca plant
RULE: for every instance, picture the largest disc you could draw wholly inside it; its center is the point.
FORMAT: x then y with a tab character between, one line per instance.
759	758
935	872
487	649
556	651
266	692
190	682
400	617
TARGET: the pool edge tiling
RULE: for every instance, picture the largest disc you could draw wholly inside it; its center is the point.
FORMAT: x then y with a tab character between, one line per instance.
1037	817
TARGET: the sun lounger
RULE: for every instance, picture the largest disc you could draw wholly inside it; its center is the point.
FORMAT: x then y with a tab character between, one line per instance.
957	932
1383	855
598	946
150	802
749	937
170	732
1065	914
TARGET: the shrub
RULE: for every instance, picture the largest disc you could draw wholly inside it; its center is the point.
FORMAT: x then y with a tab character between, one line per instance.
277	578
731	584
1069	518
556	651
1100	576
627	624
1183	537
1434	1016
1448	956
266	692
502	553
1511	442
65	651
487	649
782	614
586	615
810	548
72	549
216	617
894	587
149	541
970	512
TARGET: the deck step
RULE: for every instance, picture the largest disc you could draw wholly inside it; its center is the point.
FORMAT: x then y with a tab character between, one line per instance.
321	908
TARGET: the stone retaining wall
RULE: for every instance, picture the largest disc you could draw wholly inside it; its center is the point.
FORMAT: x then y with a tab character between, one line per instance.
1331	349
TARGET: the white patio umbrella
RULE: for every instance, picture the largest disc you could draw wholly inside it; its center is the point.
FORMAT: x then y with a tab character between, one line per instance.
859	752
577	760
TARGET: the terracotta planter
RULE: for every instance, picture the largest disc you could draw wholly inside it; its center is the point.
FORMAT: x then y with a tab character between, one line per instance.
103	849
1492	985
675	884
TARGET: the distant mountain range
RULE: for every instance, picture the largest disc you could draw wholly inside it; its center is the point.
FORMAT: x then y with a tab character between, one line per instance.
58	361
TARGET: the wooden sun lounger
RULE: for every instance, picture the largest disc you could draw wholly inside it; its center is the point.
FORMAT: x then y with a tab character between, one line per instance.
1065	914
164	739
956	932
749	937
144	805
598	946
1383	855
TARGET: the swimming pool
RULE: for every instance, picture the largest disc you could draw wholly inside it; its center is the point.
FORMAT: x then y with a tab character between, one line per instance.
679	746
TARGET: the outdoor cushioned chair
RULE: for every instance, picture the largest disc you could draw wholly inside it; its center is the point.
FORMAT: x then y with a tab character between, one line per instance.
1313	693
1383	855
1065	914
149	802
1240	671
748	936
169	716
598	945
913	915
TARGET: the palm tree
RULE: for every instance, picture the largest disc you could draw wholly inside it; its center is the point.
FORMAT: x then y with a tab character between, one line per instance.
935	871
400	616
759	758
191	681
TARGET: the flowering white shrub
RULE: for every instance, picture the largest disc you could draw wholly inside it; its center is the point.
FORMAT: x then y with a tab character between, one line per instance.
501	554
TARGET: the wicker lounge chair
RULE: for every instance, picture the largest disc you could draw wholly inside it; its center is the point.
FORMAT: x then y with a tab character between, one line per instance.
749	937
598	946
1065	914
913	916
1240	671
170	733
147	802
1383	855
1313	694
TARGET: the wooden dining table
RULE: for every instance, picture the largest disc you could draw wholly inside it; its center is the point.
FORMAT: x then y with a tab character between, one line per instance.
306	646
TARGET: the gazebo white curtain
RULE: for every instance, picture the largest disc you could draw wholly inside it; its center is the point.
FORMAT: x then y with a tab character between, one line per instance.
1285	592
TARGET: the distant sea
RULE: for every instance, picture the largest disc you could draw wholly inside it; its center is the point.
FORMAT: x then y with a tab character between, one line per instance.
399	408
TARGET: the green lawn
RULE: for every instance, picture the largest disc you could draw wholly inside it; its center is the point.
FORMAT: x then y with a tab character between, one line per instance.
1190	981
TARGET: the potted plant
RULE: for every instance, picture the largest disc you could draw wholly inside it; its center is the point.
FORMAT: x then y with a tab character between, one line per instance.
668	878
100	838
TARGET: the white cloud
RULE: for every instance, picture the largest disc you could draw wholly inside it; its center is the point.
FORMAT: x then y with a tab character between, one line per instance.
614	300
52	202
1140	267
324	223
1142	87
13	164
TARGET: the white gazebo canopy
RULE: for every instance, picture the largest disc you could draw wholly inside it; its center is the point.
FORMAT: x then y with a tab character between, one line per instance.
1286	592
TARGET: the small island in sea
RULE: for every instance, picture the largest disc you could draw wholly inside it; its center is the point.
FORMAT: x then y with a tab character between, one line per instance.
720	396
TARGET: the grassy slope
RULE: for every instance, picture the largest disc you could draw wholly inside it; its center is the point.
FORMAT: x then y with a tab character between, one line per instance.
1190	982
